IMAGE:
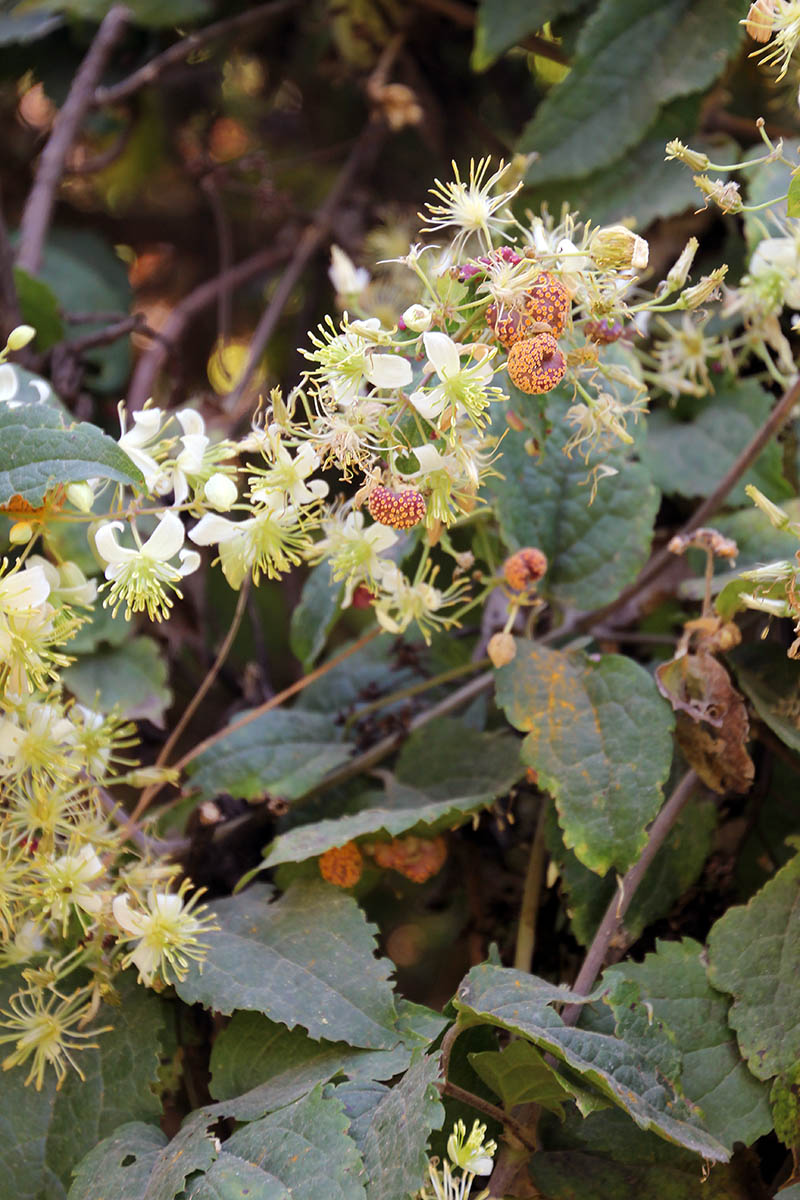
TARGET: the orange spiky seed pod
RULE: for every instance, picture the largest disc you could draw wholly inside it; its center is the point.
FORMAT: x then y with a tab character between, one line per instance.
342	865
547	300
524	568
536	365
401	510
417	858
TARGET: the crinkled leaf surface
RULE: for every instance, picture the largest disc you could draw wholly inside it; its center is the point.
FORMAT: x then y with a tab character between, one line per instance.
636	56
394	1144
284	752
753	952
441	777
252	1050
503	23
40	449
375	669
306	1147
688	458
593	550
600	740
131	677
40	1139
307	959
233	1178
676	866
522	1003
770	681
674	984
315	615
122	1166
518	1074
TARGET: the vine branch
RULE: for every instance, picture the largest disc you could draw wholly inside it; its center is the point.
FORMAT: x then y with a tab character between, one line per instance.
41	200
488	1110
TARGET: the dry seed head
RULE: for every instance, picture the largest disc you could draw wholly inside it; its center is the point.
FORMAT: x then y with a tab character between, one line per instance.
536	365
401	510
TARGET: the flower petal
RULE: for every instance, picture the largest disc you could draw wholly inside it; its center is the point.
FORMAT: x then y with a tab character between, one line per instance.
388	370
107	545
443	354
211	529
166	539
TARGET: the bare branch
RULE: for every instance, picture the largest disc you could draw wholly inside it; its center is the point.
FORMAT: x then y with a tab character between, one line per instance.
181	50
41	199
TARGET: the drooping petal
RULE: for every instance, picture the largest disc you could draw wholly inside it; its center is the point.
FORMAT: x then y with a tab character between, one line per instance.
428	404
190	562
211	529
131	922
166	539
442	353
191	422
107	545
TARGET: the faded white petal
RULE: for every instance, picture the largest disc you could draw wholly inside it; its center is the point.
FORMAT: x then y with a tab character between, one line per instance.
211	529
442	353
107	545
388	371
166	539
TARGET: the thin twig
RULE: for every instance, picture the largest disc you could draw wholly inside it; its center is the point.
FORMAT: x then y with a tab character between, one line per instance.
42	197
185	47
526	932
488	1110
150	363
612	921
137	323
99	162
461	14
774	423
364	150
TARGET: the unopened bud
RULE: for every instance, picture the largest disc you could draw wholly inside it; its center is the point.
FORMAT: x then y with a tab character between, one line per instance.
19	337
220	491
81	496
679	273
501	649
707	289
20	533
144	777
778	517
727	196
417	318
619	248
690	158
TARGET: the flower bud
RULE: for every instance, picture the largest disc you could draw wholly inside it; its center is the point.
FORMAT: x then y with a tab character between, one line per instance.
19	337
707	289
417	318
778	518
81	496
220	491
619	248
726	195
348	279
20	533
690	158
679	272
501	649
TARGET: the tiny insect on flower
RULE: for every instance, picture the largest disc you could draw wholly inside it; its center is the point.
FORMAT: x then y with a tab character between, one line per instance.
536	365
400	510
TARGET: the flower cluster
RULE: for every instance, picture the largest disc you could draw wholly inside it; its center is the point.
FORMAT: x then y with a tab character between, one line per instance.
467	1157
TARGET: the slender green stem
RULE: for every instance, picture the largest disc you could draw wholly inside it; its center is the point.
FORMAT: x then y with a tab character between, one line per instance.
526	932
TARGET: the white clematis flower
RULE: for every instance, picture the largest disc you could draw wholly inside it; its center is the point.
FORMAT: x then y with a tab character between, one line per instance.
462	388
140	577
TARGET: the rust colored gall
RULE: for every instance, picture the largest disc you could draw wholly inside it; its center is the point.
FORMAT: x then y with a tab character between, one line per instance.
604	332
342	865
417	858
547	300
536	365
508	325
524	568
401	510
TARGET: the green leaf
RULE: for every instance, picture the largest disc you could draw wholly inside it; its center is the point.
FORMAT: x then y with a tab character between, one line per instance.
793	198
394	1145
252	1050
753	953
676	866
688	458
315	615
306	959
593	551
305	1146
769	679
42	1139
521	1004
39	308
503	23
40	449
131	677
27	27
440	779
601	741
372	671
519	1075
284	752
784	1097
137	1163
631	60
233	1178
673	984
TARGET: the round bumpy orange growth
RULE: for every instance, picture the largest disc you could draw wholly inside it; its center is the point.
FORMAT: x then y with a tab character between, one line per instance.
547	301
401	510
524	568
508	325
536	365
342	865
416	858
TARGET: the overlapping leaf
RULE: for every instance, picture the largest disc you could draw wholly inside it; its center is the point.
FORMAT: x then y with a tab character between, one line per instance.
503	23
619	1071
600	740
131	678
394	1142
306	959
